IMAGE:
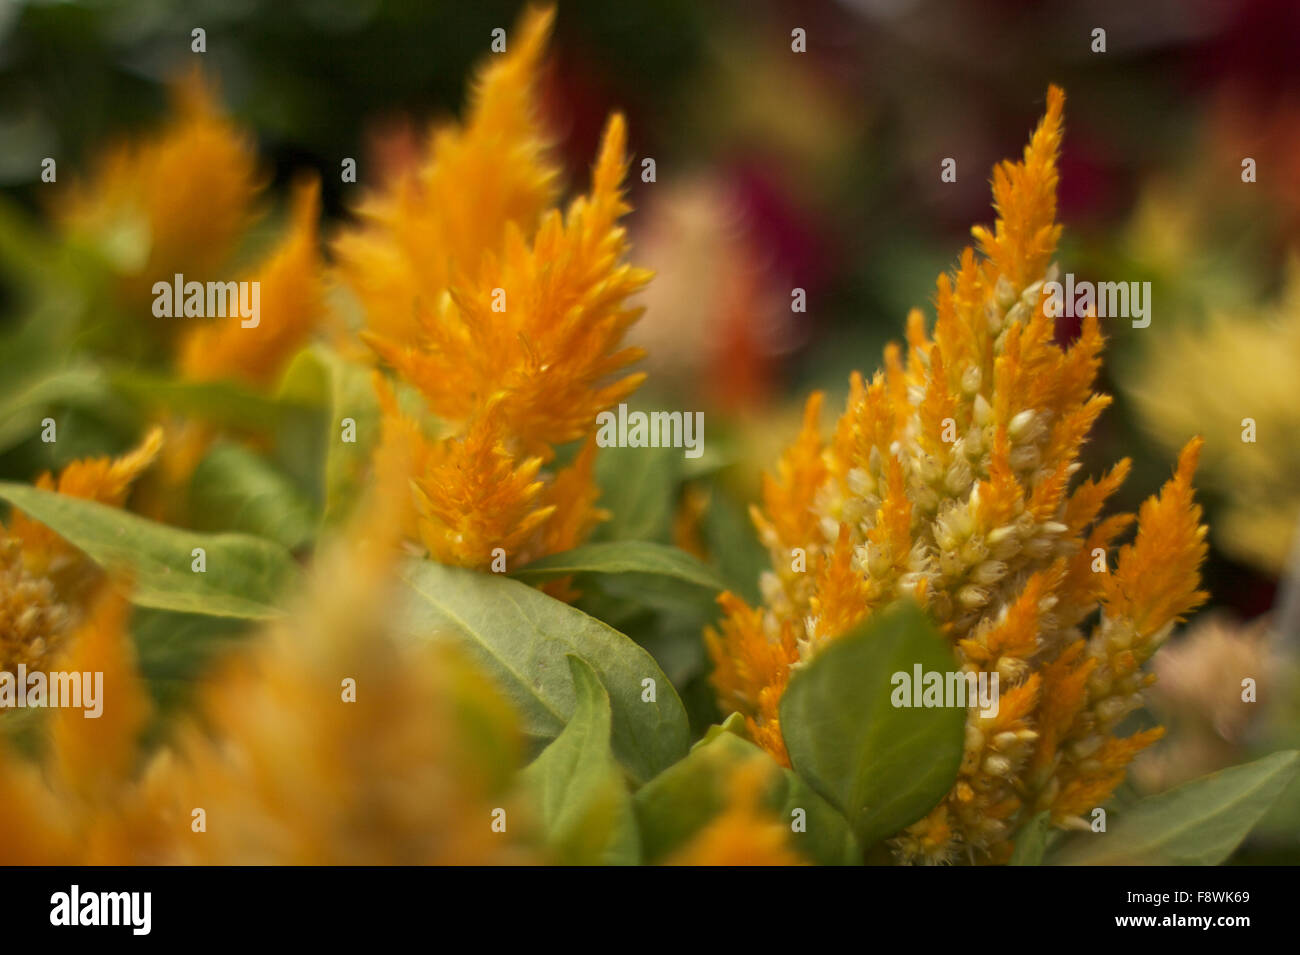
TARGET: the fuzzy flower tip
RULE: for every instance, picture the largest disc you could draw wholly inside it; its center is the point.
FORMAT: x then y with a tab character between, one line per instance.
43	578
949	479
506	315
174	202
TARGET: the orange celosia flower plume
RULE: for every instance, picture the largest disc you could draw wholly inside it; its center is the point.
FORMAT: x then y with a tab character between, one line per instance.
45	581
177	201
506	315
947	479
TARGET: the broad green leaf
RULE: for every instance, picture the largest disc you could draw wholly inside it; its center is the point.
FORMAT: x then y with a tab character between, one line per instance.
245	575
583	800
882	766
1197	823
638	487
521	637
1031	840
678	803
642	558
234	489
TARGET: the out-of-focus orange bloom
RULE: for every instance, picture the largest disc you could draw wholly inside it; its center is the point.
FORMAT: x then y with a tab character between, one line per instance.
177	201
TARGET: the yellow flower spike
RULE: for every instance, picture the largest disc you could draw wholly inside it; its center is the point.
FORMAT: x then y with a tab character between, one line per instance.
947	479
507	316
436	223
175	202
476	497
292	302
540	328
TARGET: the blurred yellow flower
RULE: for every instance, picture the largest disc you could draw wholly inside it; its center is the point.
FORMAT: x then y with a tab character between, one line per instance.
69	810
173	202
1249	413
435	224
507	317
292	303
324	740
744	833
947	480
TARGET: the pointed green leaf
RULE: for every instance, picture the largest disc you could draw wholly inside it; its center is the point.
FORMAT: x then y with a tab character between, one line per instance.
584	804
245	575
641	558
1197	823
883	766
521	637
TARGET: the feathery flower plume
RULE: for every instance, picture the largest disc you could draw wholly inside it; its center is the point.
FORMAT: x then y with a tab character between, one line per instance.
505	315
292	303
947	480
43	578
287	768
177	201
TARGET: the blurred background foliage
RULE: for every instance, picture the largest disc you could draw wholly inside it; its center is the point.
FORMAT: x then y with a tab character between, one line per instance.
774	171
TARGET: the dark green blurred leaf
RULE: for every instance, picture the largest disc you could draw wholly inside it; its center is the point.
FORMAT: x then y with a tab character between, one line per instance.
638	487
234	489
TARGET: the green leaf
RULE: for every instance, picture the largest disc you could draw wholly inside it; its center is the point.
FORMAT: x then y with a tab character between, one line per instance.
521	637
638	488
675	805
883	766
584	804
733	724
173	650
733	545
1197	823
642	558
29	395
244	578
319	375
1031	840
234	489
218	402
